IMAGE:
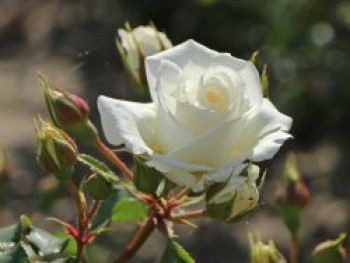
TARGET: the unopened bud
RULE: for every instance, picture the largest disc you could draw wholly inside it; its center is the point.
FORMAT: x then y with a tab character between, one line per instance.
330	251
134	45
4	169
292	195
261	252
69	112
232	200
99	187
56	151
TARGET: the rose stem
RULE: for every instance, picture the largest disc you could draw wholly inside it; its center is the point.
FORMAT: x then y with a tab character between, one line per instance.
141	235
115	159
294	247
92	211
189	214
81	215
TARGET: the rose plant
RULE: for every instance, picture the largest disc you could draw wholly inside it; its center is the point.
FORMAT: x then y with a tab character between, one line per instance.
196	148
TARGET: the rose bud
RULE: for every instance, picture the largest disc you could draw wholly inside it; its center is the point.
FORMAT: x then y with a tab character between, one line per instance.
56	151
69	112
330	251
234	199
292	195
261	252
4	168
99	187
134	45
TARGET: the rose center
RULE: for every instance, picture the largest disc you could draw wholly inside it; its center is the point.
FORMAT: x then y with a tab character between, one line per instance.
214	97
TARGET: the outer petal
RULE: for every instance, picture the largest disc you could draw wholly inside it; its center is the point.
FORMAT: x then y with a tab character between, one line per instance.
257	135
128	122
180	55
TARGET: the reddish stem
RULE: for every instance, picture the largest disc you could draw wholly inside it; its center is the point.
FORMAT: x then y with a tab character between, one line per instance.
92	211
81	216
113	158
141	235
294	249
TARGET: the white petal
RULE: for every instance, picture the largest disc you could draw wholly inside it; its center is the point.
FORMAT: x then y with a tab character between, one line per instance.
128	122
273	134
257	135
179	172
252	81
179	55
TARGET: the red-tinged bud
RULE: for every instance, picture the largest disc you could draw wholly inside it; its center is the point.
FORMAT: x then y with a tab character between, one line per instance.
4	169
292	195
297	194
69	112
69	108
56	152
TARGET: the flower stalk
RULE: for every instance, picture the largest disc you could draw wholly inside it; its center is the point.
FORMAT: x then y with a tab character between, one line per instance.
81	216
144	231
106	151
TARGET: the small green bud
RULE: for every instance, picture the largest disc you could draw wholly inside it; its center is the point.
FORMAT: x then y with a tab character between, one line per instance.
69	112
331	251
149	180
232	200
56	151
261	252
99	187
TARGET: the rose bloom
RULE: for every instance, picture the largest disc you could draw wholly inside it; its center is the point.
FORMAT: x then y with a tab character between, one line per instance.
207	117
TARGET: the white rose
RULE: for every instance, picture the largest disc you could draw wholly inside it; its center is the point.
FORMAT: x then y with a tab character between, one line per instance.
142	42
207	117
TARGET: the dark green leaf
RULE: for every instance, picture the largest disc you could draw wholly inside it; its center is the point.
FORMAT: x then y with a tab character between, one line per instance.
14	255
174	253
98	167
104	214
44	243
11	233
129	209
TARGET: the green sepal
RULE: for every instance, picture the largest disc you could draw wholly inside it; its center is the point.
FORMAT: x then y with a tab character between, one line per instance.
149	180
175	253
331	251
85	132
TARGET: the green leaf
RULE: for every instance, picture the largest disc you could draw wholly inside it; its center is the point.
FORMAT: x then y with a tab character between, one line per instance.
105	212
174	253
129	209
148	180
15	255
44	243
11	233
98	167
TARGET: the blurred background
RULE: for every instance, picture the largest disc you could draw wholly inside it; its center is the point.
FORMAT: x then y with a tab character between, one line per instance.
305	42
